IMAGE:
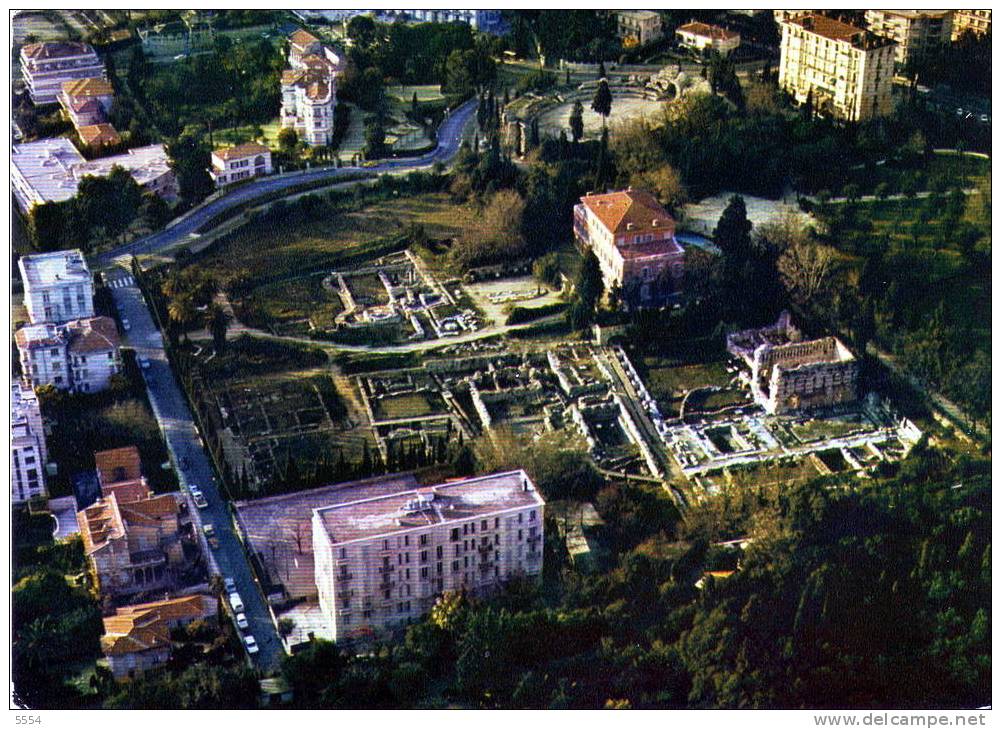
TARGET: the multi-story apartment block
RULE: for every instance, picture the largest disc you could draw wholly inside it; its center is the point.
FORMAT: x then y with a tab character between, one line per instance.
916	32
239	163
788	373
844	71
28	452
977	22
50	170
131	546
633	238
486	21
58	286
79	356
87	101
47	66
309	89
639	27
703	38
382	561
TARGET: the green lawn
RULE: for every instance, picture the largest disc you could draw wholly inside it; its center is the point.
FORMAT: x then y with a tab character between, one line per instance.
246	133
249	356
940	169
408	405
301	246
284	305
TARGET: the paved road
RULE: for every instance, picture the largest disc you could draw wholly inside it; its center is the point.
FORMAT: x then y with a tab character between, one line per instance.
450	135
193	466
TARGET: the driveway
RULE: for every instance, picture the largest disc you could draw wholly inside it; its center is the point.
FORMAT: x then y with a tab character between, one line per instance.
192	463
450	135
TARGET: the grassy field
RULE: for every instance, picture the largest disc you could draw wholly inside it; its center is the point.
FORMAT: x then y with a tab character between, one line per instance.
248	356
238	135
304	246
284	305
408	405
943	170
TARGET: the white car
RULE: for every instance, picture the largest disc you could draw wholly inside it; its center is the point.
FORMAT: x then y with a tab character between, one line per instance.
241	621
144	363
125	324
236	602
199	498
251	644
230	584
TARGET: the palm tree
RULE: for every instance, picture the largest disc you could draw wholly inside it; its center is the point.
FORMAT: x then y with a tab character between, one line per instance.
181	311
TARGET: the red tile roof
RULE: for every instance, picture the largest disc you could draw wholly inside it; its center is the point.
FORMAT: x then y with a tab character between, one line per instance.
647	250
826	27
632	210
247	149
127	491
118	464
99	135
139	628
708	31
56	49
88	87
302	38
97	334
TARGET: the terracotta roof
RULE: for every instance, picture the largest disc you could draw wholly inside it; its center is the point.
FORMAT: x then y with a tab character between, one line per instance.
97	334
314	62
127	491
291	76
247	149
134	634
149	510
137	628
100	522
56	49
88	87
826	27
708	31
117	465
318	90
99	135
632	210
302	38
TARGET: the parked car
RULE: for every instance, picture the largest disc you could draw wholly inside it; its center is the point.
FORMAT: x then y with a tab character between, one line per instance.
199	498
125	324
230	584
241	621
144	363
210	536
235	602
251	644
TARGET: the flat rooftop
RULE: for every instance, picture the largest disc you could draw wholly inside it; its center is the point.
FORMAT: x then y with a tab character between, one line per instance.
46	269
411	508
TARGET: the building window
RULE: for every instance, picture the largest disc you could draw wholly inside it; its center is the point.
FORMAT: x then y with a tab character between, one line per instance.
454	537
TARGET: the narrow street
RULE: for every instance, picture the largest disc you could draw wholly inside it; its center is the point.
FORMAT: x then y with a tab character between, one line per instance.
188	455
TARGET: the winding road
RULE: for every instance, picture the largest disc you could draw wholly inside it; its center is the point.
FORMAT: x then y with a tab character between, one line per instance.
450	135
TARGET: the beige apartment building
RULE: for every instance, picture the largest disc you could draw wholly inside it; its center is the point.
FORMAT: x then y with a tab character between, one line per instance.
916	32
382	561
977	22
639	27
847	72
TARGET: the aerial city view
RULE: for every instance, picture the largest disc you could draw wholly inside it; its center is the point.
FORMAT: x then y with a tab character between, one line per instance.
501	359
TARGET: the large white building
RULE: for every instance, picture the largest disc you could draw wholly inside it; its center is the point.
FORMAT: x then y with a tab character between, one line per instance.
846	72
916	32
487	21
309	89
28	452
79	356
46	66
58	286
50	170
240	163
382	561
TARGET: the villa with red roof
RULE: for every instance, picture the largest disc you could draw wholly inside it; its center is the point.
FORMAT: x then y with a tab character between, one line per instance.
633	238
240	163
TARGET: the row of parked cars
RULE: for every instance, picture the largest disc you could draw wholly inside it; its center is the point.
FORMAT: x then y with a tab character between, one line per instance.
236	604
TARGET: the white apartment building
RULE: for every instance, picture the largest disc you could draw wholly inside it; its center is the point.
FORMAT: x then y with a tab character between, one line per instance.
639	27
47	66
380	562
846	72
58	286
28	452
702	37
239	163
483	20
309	89
977	22
916	32
50	170
79	356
